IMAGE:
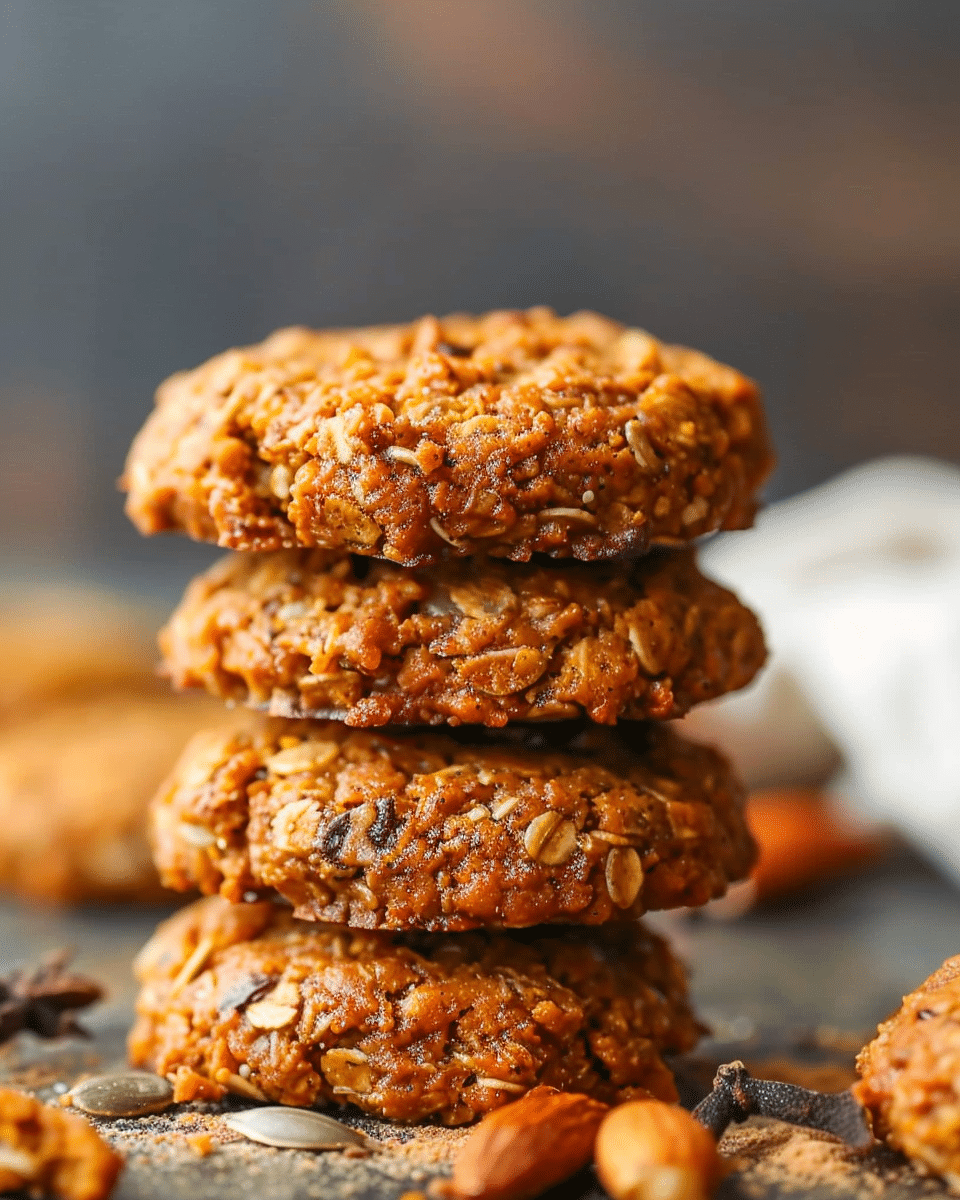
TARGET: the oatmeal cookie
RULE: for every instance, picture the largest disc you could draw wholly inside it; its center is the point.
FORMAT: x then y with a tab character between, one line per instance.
910	1075
429	831
316	633
406	1026
62	643
47	1150
508	433
75	783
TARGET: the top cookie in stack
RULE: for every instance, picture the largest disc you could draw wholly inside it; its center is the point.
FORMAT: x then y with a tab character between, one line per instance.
509	434
377	482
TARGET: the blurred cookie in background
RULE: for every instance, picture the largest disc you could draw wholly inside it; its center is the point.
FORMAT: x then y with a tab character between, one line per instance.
87	733
57	643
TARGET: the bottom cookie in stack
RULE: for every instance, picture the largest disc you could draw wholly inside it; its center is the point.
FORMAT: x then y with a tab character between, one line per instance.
409	1026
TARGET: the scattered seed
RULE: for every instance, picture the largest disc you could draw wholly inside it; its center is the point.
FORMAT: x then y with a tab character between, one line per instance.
126	1094
294	1129
624	874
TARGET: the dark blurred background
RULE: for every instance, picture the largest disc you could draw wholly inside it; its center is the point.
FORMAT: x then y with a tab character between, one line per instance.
776	183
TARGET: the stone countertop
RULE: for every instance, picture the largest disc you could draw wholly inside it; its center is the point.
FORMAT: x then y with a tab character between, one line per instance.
806	980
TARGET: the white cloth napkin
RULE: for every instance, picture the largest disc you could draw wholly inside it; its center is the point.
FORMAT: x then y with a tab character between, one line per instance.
857	584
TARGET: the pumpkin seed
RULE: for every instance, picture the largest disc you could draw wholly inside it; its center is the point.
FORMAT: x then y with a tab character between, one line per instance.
293	1129
126	1094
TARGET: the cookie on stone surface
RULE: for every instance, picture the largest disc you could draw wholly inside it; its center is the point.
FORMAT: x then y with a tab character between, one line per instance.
46	1150
405	1026
75	782
509	433
910	1075
431	831
316	633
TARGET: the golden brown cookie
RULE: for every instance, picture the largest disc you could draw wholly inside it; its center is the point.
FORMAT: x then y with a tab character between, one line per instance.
410	1026
425	831
315	633
508	433
910	1075
61	643
46	1150
75	782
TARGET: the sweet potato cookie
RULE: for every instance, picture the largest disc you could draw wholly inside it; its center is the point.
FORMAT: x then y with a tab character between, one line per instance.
65	643
75	783
315	633
426	831
910	1075
509	433
409	1026
45	1150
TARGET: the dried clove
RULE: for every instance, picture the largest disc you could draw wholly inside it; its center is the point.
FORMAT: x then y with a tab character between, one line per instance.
737	1095
45	999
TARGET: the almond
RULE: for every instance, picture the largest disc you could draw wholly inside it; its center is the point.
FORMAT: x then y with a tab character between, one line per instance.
804	837
526	1147
650	1150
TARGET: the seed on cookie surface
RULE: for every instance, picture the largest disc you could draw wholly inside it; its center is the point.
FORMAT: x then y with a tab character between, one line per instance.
316	633
624	875
412	1026
439	832
550	839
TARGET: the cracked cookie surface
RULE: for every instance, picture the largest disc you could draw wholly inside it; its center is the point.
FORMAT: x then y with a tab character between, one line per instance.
551	823
315	633
509	433
244	998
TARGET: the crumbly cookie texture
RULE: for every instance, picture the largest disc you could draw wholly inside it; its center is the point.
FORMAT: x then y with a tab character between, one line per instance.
317	633
427	831
244	998
910	1075
46	1150
75	784
509	433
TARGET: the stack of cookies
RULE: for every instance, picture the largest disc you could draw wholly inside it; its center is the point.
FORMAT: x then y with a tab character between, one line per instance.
476	525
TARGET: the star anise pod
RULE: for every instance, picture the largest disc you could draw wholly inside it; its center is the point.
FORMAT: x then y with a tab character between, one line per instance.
45	999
